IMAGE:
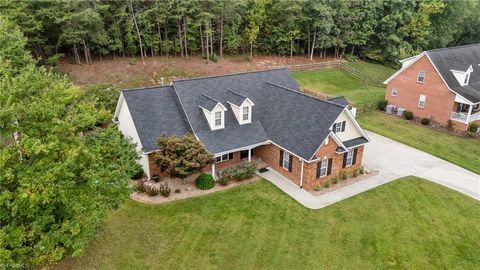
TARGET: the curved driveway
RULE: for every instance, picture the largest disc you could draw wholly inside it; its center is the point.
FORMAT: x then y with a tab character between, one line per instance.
393	160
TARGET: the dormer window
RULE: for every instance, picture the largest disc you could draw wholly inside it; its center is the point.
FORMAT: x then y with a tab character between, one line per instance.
467	77
421	76
214	112
241	107
246	113
218	119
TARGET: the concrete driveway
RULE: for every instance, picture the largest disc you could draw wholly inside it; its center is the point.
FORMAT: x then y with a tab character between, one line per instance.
393	160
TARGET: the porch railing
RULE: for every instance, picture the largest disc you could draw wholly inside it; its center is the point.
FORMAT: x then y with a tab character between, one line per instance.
463	116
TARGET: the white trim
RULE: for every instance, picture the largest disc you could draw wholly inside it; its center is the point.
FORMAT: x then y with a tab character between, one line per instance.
301	174
394	89
242	148
285	154
117	109
404	68
422	98
424	76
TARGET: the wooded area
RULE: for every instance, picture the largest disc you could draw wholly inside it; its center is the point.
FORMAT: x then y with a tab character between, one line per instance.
383	31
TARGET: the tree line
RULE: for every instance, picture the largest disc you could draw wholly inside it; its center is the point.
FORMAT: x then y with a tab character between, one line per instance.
381	30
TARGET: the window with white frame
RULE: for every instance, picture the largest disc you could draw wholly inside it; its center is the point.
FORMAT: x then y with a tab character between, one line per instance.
218	119
246	113
222	158
286	160
323	168
394	92
421	101
349	160
421	76
467	77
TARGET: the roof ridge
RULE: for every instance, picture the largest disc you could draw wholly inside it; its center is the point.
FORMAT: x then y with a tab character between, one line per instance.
236	93
454	47
303	94
212	99
229	74
146	87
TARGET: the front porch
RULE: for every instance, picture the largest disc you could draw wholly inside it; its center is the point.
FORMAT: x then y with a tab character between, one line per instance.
466	113
226	160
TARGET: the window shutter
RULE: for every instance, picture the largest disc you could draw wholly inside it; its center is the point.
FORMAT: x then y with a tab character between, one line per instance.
344	123
334	128
329	167
230	155
354	156
281	158
345	160
319	165
290	163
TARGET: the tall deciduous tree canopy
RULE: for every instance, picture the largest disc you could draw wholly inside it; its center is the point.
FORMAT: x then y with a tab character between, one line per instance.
382	30
60	172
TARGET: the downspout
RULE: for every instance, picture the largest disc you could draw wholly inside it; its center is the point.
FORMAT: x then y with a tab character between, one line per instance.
301	175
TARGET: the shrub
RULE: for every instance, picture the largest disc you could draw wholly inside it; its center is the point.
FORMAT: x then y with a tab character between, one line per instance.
335	180
425	121
355	173
151	190
240	172
361	170
344	175
351	57
224	181
140	187
205	181
382	104
473	127
317	187
408	115
178	190
138	172
450	124
469	134
165	190
326	184
132	61
212	57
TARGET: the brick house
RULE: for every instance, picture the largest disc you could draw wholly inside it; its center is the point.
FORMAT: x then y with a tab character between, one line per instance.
441	84
247	116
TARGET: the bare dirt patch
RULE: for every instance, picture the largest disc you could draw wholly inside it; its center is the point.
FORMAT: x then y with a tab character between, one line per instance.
123	73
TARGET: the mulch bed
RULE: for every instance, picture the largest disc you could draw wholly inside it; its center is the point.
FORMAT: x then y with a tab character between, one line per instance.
343	183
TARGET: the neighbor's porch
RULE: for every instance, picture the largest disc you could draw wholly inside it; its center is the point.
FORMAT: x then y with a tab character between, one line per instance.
465	113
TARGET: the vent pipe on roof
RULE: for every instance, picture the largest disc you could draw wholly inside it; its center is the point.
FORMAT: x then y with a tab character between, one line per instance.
161	80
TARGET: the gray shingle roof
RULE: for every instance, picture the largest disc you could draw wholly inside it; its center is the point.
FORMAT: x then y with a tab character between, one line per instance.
340	100
155	111
289	118
207	102
355	142
459	58
235	98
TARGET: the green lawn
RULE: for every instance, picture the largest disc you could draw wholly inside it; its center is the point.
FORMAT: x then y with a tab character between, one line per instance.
464	152
336	82
376	72
410	223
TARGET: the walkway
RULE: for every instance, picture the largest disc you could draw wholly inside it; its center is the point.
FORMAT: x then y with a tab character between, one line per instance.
394	160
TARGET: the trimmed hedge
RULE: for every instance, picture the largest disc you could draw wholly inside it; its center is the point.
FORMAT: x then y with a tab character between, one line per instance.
138	172
240	172
425	121
408	115
205	181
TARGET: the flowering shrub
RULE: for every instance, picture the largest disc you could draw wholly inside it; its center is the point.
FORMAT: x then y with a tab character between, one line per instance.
240	172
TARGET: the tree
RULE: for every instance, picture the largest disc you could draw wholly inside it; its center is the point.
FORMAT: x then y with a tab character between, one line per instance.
13	56
59	171
255	19
181	156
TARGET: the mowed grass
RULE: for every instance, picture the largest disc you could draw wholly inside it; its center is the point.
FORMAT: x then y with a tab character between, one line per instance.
375	72
409	224
337	82
464	152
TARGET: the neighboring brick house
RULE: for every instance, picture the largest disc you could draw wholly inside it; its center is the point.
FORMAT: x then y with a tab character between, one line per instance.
247	116
441	84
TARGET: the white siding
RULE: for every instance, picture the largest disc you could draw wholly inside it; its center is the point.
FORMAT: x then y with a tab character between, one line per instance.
351	131
127	128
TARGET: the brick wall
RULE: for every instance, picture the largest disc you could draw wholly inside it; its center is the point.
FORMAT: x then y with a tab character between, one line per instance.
271	155
440	101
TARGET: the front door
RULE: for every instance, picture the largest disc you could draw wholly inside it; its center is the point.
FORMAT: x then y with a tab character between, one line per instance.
243	154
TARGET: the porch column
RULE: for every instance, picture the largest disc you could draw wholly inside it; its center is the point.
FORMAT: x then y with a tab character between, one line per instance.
213	171
249	154
301	176
470	107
